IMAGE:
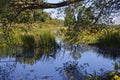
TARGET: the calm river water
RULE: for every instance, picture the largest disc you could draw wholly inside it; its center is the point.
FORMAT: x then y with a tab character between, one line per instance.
60	64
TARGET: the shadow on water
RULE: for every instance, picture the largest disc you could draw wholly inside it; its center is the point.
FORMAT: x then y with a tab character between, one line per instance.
109	53
72	70
6	70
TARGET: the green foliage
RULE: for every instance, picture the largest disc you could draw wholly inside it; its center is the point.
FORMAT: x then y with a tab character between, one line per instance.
78	16
114	75
46	40
116	67
85	18
7	13
10	14
31	16
81	37
25	17
70	17
40	16
101	36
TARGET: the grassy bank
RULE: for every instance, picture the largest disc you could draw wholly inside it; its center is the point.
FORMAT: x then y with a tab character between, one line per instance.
26	34
100	36
103	37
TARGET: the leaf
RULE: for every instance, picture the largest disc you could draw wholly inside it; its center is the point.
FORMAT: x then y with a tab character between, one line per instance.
116	66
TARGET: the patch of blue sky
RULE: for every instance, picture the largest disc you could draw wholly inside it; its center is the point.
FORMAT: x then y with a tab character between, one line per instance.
54	12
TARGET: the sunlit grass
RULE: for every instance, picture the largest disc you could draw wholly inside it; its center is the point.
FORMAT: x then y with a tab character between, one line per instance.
27	32
104	37
46	40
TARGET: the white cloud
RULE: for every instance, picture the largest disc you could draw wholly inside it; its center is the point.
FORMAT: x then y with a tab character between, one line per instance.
117	20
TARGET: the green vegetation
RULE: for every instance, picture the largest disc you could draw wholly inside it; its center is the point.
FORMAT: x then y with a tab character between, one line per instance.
28	37
100	36
24	23
41	46
82	21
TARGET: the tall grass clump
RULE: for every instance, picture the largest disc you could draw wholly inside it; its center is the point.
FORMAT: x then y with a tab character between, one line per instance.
47	40
28	41
110	39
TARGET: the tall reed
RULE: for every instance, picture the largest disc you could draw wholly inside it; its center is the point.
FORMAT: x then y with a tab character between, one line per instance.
28	41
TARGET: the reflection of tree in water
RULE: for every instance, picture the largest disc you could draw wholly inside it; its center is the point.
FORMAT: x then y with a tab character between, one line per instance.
6	70
109	53
72	71
30	57
77	50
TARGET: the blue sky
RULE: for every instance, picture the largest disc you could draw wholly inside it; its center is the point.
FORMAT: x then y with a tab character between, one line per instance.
53	1
54	11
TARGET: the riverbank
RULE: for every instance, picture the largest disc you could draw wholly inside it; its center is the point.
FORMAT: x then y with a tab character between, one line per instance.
102	37
14	35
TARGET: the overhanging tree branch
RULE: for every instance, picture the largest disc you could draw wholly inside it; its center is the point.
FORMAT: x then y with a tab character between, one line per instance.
41	5
22	6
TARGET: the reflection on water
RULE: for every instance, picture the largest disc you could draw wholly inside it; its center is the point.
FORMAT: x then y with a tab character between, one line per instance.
70	71
6	70
109	53
65	62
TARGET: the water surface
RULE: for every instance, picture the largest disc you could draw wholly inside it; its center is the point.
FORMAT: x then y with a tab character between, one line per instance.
16	64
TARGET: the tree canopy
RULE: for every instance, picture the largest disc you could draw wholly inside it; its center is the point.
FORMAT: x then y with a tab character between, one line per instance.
36	4
90	11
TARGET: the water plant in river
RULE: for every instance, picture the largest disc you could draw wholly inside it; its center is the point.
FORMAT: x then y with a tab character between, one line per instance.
109	53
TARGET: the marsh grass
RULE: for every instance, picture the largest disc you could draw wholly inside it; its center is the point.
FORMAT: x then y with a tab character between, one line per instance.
102	37
19	35
47	40
28	41
38	46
